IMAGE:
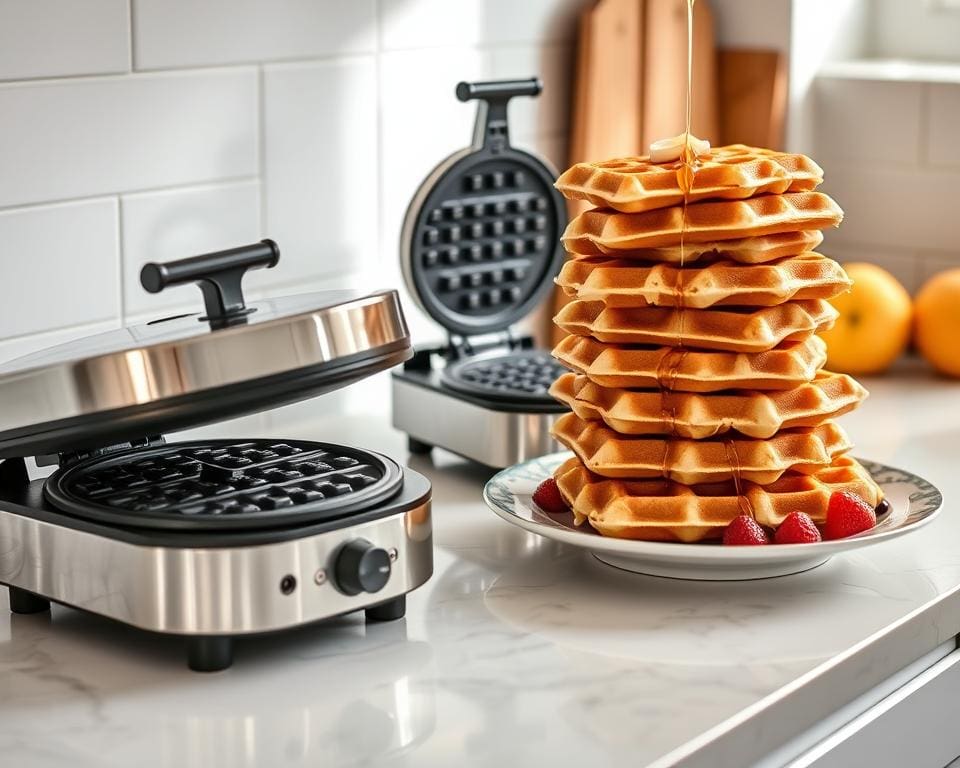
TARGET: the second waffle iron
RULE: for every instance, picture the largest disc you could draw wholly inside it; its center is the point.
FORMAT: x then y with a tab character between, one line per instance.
479	249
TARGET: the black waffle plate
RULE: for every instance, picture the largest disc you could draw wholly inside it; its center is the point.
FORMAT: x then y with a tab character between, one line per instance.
484	242
223	484
525	375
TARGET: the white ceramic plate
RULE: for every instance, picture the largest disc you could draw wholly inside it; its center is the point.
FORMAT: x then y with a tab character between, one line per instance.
914	502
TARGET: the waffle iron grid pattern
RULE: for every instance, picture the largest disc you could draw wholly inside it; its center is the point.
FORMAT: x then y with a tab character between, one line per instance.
523	375
486	239
225	484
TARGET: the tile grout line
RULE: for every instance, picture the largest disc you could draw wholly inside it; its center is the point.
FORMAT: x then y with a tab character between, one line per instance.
381	256
121	299
184	69
262	149
130	27
186	187
920	261
923	150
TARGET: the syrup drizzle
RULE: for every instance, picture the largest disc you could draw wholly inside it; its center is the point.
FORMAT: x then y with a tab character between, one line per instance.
686	170
733	459
669	368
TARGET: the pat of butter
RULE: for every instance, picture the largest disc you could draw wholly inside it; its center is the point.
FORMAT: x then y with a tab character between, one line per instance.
668	150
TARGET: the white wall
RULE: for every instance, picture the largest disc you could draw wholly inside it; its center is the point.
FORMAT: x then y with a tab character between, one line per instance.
139	130
886	136
881	122
928	30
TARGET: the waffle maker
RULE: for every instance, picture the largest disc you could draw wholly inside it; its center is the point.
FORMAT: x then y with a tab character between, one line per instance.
480	247
208	539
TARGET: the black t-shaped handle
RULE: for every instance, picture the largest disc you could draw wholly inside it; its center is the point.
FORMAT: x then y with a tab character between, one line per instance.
219	275
490	130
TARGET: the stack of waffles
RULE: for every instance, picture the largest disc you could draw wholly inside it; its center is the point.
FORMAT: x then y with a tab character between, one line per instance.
696	390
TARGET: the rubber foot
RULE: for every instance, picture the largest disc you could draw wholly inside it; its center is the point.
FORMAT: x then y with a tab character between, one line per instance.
209	654
388	611
22	601
418	447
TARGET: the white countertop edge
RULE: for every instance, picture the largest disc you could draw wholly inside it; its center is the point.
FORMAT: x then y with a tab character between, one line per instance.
759	729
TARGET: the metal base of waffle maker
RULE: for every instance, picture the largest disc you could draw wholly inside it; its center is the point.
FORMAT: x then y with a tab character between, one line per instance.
499	427
212	586
215	539
479	249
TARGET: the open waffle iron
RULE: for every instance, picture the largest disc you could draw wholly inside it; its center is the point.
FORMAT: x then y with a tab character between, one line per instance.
216	538
480	247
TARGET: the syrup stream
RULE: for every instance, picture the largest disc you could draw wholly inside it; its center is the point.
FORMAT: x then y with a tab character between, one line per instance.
686	171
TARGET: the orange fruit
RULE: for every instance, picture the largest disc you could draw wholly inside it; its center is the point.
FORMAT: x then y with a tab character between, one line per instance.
874	323
937	325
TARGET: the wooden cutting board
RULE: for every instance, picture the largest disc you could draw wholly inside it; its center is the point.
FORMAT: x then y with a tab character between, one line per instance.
607	102
631	75
753	91
665	71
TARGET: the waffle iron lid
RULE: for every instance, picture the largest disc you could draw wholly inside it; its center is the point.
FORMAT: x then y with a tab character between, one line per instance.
183	371
480	244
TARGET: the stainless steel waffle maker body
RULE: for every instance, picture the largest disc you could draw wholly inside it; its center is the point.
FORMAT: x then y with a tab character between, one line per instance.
213	539
480	247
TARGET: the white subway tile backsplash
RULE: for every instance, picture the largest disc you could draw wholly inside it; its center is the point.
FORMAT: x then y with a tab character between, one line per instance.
410	24
321	147
174	224
59	266
943	124
320	167
897	208
92	136
421	123
182	33
864	119
47	38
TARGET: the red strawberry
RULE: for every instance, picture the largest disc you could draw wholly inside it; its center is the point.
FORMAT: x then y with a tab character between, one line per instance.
847	514
796	528
744	530
548	498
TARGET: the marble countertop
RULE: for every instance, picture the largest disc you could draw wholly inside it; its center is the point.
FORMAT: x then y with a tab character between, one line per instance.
518	650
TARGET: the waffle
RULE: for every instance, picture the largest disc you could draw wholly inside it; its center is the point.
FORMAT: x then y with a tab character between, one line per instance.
659	510
698	416
622	283
607	453
745	250
688	370
601	231
634	184
727	330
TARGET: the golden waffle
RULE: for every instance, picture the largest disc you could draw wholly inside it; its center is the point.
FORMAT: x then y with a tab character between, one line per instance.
634	184
606	453
622	283
698	416
689	370
721	329
660	510
745	250
601	231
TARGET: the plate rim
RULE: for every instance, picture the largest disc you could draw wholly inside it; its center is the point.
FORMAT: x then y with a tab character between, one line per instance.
695	551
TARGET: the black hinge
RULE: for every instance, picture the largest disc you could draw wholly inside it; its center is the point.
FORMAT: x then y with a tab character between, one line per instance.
68	458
